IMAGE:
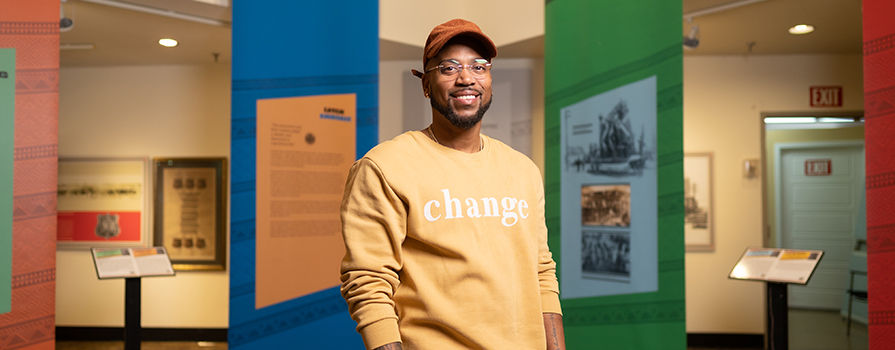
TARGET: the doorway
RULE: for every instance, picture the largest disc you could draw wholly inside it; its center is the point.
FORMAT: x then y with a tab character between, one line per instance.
819	192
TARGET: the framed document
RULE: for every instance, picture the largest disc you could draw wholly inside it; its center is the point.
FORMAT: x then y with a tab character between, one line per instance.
699	235
190	204
102	202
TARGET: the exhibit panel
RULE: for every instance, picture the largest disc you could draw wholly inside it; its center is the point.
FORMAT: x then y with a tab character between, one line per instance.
614	171
309	103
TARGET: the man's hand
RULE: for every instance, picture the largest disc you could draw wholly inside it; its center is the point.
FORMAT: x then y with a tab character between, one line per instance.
556	338
392	346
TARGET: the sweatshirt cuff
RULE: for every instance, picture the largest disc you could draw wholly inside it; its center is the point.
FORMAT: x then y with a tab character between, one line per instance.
381	332
550	303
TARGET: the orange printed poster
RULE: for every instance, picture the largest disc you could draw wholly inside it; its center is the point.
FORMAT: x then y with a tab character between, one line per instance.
306	146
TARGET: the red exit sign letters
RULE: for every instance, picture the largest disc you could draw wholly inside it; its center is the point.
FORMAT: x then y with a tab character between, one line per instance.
826	96
818	167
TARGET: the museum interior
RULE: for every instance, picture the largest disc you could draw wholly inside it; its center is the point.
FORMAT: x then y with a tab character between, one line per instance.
766	153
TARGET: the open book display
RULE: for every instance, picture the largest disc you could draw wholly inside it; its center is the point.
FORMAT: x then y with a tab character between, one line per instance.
777	265
131	262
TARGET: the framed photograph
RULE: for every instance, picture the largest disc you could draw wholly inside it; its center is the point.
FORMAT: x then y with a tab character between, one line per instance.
190	206
103	202
699	214
606	255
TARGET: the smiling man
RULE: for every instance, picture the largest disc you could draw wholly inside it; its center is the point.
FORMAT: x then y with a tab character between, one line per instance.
446	243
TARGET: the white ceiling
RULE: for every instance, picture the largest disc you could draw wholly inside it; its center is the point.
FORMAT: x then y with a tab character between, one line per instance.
128	37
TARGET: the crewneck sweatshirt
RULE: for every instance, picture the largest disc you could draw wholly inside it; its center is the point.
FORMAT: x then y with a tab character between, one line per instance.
445	249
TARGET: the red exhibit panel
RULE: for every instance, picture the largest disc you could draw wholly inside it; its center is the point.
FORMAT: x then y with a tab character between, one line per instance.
99	226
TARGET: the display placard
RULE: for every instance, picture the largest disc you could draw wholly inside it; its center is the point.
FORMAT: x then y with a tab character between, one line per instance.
777	265
131	262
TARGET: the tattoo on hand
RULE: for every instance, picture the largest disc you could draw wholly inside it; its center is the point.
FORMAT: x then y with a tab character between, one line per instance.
390	346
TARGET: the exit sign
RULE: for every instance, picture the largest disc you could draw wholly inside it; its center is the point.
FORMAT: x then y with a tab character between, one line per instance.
826	96
818	167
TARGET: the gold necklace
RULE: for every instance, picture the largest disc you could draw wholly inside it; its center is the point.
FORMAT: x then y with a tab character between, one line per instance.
429	129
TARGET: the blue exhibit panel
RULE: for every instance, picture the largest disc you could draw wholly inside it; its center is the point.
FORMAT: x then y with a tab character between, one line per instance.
287	49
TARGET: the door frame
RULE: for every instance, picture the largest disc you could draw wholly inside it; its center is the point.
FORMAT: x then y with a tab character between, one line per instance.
778	196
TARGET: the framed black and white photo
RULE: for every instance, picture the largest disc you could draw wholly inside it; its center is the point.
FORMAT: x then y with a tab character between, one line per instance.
698	203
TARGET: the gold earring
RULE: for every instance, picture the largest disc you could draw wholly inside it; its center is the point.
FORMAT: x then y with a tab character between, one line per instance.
426	93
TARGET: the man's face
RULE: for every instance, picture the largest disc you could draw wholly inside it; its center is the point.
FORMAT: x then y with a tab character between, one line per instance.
464	98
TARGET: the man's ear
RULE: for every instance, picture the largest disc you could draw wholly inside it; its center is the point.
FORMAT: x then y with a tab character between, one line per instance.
425	83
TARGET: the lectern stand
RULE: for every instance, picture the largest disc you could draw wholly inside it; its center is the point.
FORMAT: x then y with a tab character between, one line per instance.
132	264
133	328
777	267
778	317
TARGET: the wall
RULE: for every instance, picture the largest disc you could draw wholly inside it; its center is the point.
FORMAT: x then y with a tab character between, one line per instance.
724	97
152	111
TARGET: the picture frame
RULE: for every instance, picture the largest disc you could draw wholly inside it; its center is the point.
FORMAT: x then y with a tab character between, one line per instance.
190	211
699	213
103	202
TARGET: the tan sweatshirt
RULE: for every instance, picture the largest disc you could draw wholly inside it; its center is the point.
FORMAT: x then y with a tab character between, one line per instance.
447	250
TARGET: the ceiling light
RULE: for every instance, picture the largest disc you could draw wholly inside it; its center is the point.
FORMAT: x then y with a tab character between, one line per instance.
789	120
835	120
801	29
167	42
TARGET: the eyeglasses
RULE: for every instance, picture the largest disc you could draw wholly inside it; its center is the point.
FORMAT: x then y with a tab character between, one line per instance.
450	69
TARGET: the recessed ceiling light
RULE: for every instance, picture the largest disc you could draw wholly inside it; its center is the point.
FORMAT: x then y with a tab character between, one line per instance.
801	29
167	42
789	120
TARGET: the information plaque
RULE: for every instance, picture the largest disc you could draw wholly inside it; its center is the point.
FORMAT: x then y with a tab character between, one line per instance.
131	262
777	265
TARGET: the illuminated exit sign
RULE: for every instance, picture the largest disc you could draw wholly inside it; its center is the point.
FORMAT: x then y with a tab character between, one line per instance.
826	96
818	167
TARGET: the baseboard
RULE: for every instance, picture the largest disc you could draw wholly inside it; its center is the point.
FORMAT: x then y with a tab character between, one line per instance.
148	334
726	341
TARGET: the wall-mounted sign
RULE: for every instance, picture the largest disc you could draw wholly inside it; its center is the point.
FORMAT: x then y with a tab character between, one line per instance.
826	96
818	167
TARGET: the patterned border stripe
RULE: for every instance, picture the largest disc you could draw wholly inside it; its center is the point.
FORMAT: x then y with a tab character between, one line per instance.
294	82
878	45
879	103
20	335
658	312
882	317
29	28
30	279
880	180
37	81
34	152
34	206
286	320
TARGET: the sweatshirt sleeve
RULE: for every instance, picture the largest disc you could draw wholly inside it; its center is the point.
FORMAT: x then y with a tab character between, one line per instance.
373	229
546	264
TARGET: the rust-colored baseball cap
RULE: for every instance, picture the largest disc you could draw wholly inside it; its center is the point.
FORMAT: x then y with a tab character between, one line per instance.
446	31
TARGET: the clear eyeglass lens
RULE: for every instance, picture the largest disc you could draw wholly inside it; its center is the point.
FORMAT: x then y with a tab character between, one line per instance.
450	70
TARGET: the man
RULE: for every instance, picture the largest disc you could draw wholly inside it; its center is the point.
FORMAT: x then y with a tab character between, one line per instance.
446	243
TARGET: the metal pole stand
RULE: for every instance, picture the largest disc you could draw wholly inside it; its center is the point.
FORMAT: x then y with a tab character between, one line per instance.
133	328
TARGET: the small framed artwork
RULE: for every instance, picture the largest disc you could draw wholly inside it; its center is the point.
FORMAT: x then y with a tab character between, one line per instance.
699	212
103	202
190	206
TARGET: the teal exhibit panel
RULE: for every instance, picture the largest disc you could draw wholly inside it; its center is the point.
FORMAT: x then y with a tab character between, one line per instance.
7	124
614	170
294	58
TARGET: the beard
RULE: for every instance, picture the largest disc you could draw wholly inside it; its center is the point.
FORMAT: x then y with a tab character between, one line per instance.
458	121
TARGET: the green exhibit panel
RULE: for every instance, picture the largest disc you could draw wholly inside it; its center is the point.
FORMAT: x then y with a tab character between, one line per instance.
614	171
7	127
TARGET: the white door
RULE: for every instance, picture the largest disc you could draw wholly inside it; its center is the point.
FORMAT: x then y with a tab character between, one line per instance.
820	193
